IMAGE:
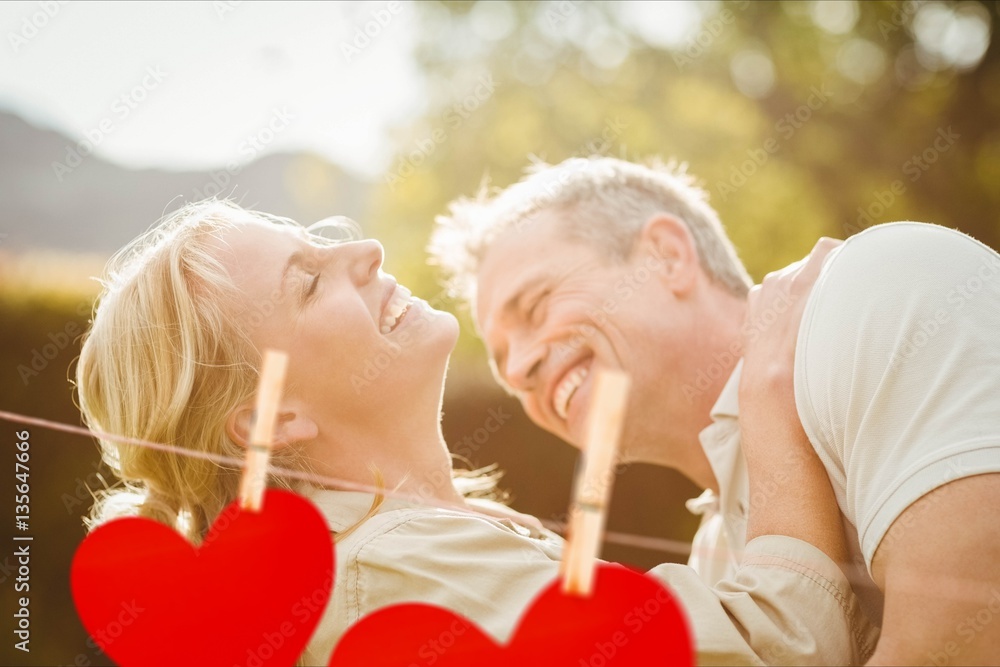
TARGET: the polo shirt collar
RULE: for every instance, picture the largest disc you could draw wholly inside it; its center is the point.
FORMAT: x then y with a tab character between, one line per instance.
721	442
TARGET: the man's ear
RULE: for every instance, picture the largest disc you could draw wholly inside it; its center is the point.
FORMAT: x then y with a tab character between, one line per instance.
670	252
292	426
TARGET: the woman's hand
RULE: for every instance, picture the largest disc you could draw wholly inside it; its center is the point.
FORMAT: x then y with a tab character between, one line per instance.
774	312
790	493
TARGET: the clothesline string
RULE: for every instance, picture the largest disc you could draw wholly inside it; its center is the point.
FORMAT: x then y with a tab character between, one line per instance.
676	547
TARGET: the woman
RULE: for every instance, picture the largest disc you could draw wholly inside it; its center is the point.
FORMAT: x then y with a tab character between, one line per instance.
173	356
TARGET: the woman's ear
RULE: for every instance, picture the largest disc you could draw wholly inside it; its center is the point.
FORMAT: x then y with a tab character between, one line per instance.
292	426
670	252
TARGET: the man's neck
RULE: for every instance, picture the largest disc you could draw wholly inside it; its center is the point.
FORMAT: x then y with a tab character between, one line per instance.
720	337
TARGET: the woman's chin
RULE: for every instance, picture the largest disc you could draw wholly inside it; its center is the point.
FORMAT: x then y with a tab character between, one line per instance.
451	322
449	339
440	330
414	354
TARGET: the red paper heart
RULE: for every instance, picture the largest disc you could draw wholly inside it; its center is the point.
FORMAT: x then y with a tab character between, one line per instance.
630	621
251	594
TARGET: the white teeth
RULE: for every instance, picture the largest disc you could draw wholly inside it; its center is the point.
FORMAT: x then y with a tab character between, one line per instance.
399	302
567	388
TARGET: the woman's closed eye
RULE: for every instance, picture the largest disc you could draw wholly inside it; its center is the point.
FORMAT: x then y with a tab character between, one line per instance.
311	289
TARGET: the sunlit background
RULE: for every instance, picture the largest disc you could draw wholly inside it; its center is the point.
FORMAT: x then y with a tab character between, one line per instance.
801	119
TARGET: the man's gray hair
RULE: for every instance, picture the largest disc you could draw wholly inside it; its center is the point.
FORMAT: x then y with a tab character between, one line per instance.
605	201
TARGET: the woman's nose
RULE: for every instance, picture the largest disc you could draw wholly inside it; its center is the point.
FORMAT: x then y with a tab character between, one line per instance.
365	260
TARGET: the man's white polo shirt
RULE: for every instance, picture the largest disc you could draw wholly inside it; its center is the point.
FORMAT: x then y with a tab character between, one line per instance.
897	384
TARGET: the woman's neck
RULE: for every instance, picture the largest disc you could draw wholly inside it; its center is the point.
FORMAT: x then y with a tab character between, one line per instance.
409	455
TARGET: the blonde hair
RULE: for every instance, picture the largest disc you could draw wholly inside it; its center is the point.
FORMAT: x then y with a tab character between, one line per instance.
164	360
604	201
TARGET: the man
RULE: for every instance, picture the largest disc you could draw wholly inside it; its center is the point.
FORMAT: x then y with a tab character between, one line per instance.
600	262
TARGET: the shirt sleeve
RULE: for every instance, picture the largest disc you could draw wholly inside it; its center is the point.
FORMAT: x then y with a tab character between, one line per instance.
787	603
897	369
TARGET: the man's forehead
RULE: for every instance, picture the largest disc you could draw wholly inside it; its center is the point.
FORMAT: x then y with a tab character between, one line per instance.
501	285
522	243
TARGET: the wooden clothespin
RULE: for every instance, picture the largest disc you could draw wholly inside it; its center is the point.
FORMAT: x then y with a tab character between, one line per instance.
254	480
608	402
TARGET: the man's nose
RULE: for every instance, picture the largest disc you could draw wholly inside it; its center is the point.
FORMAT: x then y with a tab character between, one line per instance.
524	365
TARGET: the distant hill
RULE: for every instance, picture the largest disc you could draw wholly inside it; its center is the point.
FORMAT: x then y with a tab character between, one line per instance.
98	206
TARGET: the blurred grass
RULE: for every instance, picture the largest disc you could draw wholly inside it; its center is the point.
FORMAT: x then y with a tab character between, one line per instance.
49	277
43	294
